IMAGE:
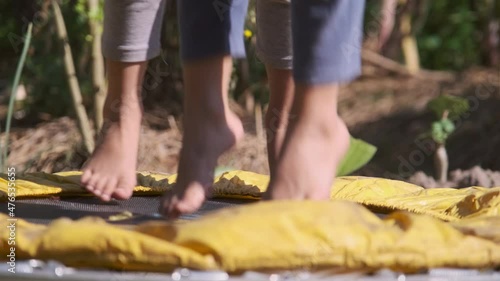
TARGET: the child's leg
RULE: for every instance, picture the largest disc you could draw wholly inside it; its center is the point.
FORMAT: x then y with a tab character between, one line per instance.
326	42
210	34
282	90
315	142
210	129
111	170
131	37
274	49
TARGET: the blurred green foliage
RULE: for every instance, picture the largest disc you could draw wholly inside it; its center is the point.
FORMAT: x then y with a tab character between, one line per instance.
441	130
455	106
44	74
451	37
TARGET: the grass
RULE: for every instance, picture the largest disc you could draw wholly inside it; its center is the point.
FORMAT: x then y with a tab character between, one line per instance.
15	84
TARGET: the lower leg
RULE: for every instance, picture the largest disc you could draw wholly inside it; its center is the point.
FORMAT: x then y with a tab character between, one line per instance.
316	141
111	171
210	128
282	89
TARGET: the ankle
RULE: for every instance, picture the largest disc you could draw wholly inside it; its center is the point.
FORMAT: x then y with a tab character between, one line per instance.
205	115
125	114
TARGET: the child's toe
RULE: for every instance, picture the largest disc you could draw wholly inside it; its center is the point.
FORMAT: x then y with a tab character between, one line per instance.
86	175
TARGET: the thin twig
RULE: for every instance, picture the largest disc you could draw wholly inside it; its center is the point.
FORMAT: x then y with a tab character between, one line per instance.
76	95
393	66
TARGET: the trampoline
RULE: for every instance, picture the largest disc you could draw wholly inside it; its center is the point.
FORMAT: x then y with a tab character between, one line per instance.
142	209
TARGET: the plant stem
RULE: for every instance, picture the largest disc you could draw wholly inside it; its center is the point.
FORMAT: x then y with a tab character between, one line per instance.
409	45
441	164
76	95
15	84
97	64
441	158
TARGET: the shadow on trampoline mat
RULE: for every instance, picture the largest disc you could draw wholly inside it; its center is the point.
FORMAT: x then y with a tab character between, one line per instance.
145	208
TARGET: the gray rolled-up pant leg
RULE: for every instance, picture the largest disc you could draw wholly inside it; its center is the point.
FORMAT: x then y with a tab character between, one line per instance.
274	33
132	29
327	38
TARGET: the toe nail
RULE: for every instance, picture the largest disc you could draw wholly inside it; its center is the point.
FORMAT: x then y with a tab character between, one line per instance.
97	192
105	197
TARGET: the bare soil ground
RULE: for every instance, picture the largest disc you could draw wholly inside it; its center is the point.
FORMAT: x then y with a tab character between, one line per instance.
387	111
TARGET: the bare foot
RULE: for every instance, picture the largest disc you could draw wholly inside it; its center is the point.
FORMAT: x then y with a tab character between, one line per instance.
315	143
309	165
111	171
205	139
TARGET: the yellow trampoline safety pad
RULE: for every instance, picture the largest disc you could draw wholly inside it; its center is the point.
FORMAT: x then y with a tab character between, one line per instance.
425	228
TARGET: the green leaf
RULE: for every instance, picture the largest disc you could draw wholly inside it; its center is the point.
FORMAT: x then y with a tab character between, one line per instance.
15	84
437	132
448	126
441	130
437	126
359	154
